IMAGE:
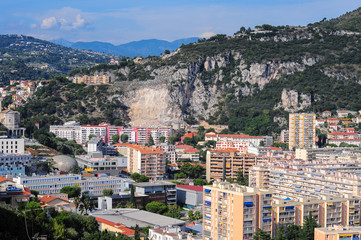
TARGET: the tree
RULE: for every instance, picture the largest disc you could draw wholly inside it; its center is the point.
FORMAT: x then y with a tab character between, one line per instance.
107	192
188	141
115	138
309	227
162	139
86	204
261	144
166	51
199	182
174	211
190	215
35	193
136	232
91	136
156	207
76	203
150	141
132	196
124	138
261	235
171	139
197	215
242	180
73	191
139	178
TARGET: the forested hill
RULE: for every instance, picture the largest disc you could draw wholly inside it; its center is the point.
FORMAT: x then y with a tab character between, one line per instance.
249	81
28	58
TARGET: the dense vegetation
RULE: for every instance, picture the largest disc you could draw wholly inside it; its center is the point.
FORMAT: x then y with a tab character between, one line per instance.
28	58
24	222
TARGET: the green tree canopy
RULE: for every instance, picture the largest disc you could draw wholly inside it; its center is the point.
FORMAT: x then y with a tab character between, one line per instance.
124	138
107	192
156	207
73	191
115	138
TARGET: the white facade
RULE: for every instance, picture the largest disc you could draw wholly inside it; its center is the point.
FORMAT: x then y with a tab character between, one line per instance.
11	145
70	131
98	131
95	145
53	184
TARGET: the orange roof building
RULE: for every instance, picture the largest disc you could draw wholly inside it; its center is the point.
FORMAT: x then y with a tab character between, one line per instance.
147	161
117	228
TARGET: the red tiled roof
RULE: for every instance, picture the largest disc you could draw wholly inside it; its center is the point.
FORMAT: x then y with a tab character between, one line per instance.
123	230
326	111
192	188
191	150
343	133
183	146
328	119
122	144
190	135
3	179
344	140
47	198
275	148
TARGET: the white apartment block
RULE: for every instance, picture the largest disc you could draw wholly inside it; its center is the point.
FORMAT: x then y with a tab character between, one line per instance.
53	184
106	164
70	131
254	140
11	145
97	130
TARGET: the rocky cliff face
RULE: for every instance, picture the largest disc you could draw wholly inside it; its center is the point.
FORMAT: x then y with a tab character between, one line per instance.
292	101
177	91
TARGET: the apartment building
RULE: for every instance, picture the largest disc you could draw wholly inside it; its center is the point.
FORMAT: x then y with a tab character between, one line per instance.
255	140
170	151
147	161
285	136
302	130
226	163
158	191
338	233
11	145
235	212
99	164
54	183
70	130
96	130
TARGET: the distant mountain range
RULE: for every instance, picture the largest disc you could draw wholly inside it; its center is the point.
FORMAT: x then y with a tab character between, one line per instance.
144	48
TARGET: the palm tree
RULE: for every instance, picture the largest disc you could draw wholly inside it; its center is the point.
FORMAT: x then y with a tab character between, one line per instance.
76	203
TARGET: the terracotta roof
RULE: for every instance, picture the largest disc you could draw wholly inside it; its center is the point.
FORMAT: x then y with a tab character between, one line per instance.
326	111
344	140
332	119
192	188
224	150
123	230
122	144
144	149
190	135
191	150
3	179
275	148
343	133
183	146
47	198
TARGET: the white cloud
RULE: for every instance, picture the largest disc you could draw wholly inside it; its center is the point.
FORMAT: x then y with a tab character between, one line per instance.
49	22
66	19
207	34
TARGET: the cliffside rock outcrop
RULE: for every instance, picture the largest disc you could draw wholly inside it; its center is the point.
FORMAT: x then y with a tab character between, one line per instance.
294	101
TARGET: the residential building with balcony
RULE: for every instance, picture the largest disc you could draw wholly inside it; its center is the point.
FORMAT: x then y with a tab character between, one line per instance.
338	233
147	161
232	211
302	130
158	191
226	163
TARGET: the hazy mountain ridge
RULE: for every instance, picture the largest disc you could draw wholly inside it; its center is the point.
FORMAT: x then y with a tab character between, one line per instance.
144	48
24	57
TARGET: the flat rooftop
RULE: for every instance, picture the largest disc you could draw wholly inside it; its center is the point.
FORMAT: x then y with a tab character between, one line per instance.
131	217
154	184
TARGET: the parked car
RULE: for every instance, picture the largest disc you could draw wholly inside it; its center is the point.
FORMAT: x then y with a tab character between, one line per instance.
13	189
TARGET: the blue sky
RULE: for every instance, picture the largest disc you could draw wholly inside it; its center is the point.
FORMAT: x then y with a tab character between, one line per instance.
120	21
